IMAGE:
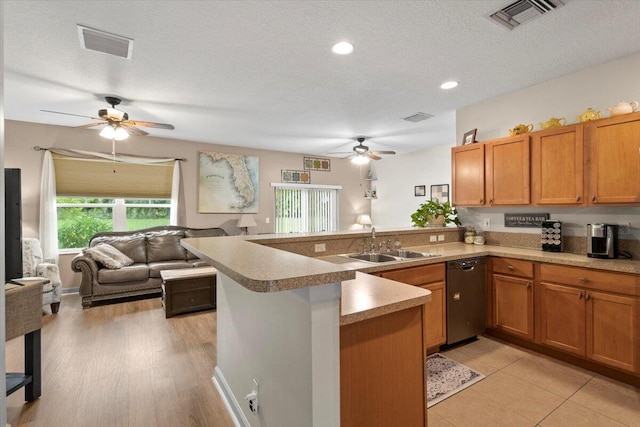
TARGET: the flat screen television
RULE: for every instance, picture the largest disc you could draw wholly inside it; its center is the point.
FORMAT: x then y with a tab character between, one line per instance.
12	224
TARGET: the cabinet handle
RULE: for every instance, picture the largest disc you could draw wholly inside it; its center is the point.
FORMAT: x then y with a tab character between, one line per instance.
593	198
490	201
580	295
528	285
511	267
584	279
587	297
481	201
577	198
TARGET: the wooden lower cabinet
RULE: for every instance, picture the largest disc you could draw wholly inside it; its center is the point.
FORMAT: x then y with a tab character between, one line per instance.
431	277
513	305
382	371
587	321
562	314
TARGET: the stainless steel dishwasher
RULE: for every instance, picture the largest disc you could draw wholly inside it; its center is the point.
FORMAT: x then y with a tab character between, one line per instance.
466	299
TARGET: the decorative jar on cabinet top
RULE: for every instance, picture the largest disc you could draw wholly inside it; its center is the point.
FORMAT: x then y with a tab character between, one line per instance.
588	115
553	122
520	129
623	108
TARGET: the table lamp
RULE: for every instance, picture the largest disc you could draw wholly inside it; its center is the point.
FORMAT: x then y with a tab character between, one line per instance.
364	220
245	222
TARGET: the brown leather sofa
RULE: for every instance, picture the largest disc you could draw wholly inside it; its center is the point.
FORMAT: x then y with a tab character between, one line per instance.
151	249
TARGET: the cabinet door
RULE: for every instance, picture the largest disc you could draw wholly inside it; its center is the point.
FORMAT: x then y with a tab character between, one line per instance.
557	172
614	160
513	306
507	178
562	317
435	323
613	334
467	175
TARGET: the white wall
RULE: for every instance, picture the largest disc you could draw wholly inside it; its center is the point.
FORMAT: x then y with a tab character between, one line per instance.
398	175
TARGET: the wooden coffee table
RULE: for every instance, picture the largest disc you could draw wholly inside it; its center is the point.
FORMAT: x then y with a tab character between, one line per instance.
188	290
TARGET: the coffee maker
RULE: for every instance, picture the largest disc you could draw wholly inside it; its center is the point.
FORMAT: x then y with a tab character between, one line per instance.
602	240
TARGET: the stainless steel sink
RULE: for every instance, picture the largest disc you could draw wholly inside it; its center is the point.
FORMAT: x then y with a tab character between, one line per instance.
403	253
373	257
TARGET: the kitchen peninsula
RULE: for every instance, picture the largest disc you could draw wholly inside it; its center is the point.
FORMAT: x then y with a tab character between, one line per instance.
290	322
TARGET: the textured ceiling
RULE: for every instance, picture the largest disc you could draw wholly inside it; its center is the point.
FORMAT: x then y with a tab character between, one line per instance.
260	74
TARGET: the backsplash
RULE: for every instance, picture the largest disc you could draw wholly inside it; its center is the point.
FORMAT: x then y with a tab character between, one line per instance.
572	244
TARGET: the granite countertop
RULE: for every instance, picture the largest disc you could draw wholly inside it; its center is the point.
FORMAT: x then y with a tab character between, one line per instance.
454	251
368	296
264	269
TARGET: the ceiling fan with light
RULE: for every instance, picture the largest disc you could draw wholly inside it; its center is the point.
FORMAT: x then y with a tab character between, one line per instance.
361	153
118	126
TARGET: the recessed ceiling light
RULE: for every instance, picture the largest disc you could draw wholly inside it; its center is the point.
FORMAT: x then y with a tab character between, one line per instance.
448	85
342	48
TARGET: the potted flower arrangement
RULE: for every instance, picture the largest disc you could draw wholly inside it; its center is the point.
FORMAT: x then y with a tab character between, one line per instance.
434	213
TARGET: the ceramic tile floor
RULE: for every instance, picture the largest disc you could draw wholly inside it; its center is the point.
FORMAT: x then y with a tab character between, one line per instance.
523	388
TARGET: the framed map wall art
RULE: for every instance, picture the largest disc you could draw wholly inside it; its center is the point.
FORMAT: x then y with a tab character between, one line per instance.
227	183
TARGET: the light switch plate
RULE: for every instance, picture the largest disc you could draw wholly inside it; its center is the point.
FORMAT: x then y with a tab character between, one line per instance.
440	237
433	238
321	247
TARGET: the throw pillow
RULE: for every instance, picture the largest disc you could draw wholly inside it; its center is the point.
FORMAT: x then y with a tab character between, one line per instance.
108	256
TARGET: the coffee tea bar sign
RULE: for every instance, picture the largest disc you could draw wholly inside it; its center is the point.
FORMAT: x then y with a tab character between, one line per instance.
531	220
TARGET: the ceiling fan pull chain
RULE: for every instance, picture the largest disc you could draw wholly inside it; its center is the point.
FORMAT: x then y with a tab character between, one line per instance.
113	153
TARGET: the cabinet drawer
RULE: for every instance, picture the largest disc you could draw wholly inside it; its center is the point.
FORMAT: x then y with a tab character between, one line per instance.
417	275
512	267
192	300
189	284
591	279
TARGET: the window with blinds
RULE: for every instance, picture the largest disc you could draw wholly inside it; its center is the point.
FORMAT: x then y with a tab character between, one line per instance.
305	208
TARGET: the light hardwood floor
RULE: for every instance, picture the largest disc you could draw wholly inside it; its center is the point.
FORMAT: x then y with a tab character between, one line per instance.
126	365
122	365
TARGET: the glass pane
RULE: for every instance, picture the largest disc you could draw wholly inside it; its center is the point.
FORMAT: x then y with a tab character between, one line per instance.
144	217
147	201
84	200
77	225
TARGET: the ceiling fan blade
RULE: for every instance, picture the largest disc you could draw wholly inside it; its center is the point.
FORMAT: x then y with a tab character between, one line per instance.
372	156
341	152
383	152
90	125
70	114
134	130
149	124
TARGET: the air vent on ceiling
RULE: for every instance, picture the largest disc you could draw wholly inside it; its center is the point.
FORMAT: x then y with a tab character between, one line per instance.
522	11
417	117
100	41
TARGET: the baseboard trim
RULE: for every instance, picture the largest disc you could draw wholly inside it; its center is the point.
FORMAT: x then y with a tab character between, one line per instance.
71	290
233	407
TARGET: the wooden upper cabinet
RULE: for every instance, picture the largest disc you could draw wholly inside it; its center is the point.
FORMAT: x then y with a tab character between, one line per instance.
467	175
507	179
557	166
613	161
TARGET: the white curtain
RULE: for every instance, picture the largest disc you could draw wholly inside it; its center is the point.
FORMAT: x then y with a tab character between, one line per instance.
48	215
176	217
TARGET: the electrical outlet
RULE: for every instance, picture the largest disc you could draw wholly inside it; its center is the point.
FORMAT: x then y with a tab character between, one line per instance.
440	237
624	229
266	220
433	238
321	247
486	223
252	398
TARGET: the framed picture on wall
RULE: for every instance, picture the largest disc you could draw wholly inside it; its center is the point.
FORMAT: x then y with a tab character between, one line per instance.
420	190
297	177
440	192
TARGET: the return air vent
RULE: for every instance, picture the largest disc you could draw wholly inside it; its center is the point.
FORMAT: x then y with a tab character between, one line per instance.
522	11
417	117
100	41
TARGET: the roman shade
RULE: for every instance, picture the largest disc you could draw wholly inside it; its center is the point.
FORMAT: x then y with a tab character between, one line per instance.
97	177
